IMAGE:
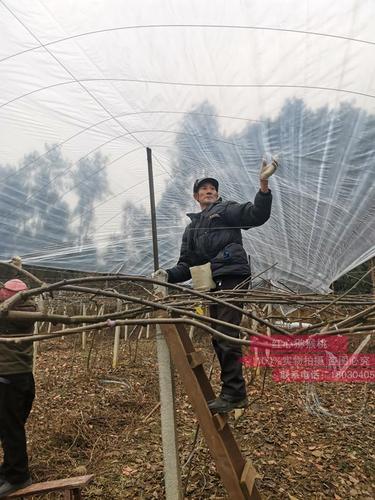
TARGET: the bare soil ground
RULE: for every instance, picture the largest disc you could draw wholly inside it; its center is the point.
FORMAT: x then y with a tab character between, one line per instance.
82	424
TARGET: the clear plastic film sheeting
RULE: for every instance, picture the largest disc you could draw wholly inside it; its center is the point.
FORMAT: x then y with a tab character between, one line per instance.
209	87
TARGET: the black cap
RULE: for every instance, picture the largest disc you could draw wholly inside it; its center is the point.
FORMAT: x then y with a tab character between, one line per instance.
199	182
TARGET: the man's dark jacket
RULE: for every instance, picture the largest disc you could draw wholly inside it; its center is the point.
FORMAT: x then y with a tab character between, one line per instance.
17	357
214	235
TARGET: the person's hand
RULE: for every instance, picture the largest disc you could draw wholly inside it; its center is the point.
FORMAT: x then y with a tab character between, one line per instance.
160	274
16	261
267	169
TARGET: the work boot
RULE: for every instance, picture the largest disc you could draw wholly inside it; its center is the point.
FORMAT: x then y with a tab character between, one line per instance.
222	405
6	488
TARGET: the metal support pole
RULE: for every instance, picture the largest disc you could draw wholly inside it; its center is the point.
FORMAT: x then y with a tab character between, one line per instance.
172	475
153	210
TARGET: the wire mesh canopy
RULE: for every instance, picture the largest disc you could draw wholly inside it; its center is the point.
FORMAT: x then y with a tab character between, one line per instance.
210	87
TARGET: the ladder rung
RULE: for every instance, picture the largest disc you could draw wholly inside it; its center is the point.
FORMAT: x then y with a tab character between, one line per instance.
196	358
248	476
220	421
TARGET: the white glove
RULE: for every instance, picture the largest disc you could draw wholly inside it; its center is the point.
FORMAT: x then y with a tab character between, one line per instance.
160	274
16	261
266	170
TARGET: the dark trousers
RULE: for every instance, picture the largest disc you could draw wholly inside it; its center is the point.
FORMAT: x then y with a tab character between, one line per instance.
17	392
229	354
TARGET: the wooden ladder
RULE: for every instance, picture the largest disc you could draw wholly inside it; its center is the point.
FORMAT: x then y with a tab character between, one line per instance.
237	474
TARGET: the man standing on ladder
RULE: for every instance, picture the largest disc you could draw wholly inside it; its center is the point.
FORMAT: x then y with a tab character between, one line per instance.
212	255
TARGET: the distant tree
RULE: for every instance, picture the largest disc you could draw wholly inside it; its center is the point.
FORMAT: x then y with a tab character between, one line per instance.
90	184
51	214
113	258
32	214
13	212
130	251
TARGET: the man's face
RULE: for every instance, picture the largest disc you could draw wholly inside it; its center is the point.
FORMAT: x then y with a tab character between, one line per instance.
206	194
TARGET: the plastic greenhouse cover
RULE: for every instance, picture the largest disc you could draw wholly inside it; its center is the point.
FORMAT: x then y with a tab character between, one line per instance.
209	86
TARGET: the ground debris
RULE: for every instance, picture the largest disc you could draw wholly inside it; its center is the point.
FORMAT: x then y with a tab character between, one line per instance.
80	424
